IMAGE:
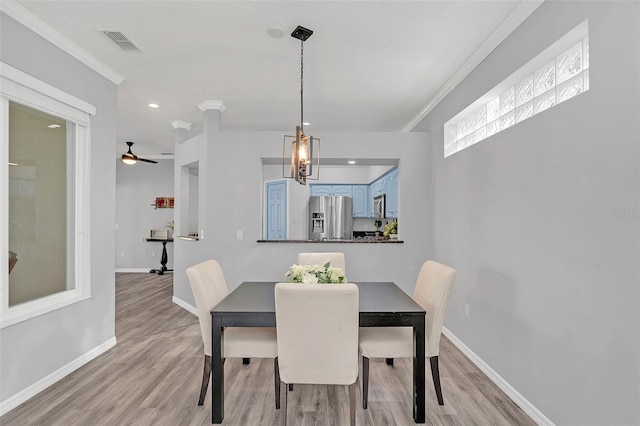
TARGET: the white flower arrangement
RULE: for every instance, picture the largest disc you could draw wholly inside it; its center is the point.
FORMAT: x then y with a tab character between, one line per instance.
315	274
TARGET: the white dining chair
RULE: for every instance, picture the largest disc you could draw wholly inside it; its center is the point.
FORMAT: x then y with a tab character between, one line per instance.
432	290
210	288
313	347
336	259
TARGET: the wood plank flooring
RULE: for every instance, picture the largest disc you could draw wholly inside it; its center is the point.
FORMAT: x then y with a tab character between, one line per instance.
153	375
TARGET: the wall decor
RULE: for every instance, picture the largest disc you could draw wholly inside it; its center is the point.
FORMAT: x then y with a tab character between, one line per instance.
163	203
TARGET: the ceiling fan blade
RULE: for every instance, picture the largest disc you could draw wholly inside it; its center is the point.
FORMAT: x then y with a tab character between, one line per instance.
147	161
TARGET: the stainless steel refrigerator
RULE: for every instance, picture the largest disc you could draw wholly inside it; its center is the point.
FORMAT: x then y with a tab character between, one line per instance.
330	218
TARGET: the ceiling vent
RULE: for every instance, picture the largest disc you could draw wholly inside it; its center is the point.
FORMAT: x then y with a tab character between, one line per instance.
120	39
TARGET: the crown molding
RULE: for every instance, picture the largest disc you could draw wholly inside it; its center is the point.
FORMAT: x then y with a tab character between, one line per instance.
15	81
40	27
178	124
205	105
512	22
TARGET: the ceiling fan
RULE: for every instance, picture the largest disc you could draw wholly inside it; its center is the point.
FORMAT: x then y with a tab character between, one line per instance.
130	158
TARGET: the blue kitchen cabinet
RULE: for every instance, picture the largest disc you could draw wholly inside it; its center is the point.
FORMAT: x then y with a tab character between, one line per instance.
360	200
357	192
391	189
363	194
342	190
331	190
321	189
377	187
386	184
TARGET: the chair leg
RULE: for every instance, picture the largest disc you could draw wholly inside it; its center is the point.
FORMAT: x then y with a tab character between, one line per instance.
365	382
276	375
206	374
352	404
290	387
283	410
435	373
389	361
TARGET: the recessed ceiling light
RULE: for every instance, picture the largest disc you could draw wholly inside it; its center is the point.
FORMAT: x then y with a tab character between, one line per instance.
275	32
53	126
351	161
152	105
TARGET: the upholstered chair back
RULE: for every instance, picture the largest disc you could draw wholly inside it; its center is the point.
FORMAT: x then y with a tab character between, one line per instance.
433	287
209	288
317	332
336	259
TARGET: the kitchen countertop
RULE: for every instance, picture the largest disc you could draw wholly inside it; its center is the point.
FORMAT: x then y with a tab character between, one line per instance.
355	241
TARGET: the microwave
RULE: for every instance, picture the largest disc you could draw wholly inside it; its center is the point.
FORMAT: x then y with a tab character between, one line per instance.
379	206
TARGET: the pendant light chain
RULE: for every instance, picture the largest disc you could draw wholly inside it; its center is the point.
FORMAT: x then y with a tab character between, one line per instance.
302	87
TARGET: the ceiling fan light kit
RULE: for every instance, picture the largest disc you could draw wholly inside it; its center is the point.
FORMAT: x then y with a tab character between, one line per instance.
303	147
129	158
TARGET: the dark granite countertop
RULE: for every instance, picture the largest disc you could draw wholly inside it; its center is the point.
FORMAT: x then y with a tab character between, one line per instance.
356	241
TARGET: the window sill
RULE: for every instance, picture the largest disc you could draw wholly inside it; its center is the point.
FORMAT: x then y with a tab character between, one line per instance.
29	310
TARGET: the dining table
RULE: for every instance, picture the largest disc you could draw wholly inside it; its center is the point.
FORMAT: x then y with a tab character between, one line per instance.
381	304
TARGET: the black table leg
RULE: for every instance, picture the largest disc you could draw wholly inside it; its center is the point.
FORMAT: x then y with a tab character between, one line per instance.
419	399
217	370
163	261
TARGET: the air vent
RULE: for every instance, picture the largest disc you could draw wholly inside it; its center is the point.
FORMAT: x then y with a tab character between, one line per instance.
120	39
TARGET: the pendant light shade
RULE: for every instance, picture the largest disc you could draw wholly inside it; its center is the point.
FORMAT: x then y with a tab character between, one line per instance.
304	157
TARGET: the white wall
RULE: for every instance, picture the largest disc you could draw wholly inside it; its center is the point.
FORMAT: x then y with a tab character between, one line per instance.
551	276
32	351
234	195
137	187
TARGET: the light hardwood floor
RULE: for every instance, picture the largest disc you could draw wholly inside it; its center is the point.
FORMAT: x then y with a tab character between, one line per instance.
152	377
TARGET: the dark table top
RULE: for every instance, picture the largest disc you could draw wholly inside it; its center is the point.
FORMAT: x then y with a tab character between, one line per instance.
377	298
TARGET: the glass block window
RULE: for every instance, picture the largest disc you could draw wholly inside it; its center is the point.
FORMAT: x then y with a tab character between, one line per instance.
557	74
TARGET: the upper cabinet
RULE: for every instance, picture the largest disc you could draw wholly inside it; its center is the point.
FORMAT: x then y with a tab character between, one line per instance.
359	193
320	190
386	184
391	189
342	190
331	190
360	200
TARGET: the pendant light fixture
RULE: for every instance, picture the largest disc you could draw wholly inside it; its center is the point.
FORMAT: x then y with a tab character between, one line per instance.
303	147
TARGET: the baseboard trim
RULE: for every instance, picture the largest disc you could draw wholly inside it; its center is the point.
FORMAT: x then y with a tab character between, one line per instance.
184	305
135	270
535	414
31	391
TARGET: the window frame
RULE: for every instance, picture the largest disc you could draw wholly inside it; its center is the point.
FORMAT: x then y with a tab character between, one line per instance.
454	143
27	90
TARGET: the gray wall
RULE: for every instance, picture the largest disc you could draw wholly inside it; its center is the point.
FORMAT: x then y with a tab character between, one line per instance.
550	273
137	187
33	349
232	199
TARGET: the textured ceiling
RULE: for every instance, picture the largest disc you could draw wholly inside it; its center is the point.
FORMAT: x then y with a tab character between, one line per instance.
369	66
